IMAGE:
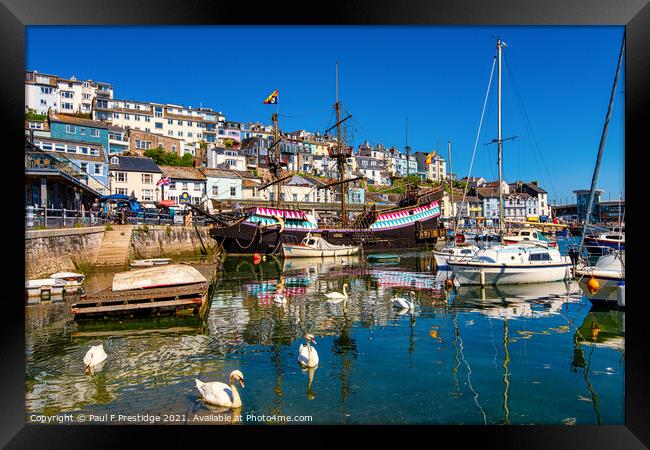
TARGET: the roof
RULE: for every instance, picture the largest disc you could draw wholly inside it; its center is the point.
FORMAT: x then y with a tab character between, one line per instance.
182	173
219	173
250	183
135	164
528	186
54	117
487	192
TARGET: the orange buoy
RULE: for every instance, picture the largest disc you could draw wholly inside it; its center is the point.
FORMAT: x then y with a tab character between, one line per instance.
593	285
595	329
256	258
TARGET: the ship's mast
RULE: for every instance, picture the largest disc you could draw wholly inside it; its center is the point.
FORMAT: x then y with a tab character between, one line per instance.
341	157
278	156
500	145
407	148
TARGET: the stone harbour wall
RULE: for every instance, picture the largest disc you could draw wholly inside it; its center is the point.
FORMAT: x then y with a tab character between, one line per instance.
50	251
158	241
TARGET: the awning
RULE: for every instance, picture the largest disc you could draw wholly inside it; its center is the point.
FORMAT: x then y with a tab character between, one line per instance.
167	203
104	198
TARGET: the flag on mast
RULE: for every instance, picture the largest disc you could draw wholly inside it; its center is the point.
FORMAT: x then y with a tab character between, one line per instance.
429	158
272	99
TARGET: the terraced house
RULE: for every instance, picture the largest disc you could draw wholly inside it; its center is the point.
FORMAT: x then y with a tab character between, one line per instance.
135	176
84	141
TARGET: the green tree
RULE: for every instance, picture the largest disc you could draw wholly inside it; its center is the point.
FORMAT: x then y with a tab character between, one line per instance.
164	158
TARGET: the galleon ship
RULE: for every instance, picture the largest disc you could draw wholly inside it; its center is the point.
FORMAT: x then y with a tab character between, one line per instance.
263	229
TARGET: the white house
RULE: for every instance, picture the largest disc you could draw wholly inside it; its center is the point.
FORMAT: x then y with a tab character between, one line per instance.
187	184
225	158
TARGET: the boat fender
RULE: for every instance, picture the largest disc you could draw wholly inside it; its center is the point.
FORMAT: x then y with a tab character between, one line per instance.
593	286
620	294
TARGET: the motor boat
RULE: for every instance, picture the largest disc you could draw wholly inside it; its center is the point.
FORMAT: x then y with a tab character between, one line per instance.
462	251
529	236
72	281
604	283
602	243
315	246
511	264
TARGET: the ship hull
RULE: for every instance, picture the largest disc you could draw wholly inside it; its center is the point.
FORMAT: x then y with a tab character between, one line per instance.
248	238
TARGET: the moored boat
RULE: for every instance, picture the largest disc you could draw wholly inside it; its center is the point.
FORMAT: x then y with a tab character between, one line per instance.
462	251
529	236
150	262
603	243
157	277
604	283
72	281
511	264
316	246
44	287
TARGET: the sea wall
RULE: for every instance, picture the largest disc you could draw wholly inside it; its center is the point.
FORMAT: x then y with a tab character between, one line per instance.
49	251
157	241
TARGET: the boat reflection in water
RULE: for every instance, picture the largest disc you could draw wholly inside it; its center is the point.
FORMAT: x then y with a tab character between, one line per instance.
502	354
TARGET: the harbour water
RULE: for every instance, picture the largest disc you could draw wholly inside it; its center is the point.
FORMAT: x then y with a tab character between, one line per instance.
536	354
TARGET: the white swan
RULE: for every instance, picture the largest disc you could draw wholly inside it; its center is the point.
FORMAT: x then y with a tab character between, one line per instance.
221	394
280	299
94	356
338	295
402	303
308	356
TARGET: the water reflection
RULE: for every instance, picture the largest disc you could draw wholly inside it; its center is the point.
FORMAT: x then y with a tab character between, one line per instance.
467	355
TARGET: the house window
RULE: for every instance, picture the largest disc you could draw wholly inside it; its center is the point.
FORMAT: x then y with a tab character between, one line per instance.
121	191
159	125
115	160
233	191
170	133
116	115
71	129
147	178
170	122
136	117
158	111
147	195
66	105
180	122
72	149
197	186
121	177
98	169
295	197
143	145
185	185
46	90
94	132
147	119
172	185
180	133
215	190
84	167
46	146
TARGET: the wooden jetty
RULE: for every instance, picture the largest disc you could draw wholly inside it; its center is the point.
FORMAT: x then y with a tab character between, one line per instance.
184	300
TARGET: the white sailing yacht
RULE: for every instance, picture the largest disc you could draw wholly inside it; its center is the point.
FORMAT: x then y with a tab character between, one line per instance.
509	264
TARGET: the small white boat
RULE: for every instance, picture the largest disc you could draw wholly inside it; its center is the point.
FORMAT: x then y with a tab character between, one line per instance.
316	246
511	264
604	283
72	281
44	287
150	262
529	236
459	251
157	277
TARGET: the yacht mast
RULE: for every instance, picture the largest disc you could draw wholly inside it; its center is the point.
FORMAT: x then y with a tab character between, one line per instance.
341	159
500	145
601	148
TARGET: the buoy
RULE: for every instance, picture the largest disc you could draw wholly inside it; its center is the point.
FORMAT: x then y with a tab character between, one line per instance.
595	329
256	258
593	285
449	284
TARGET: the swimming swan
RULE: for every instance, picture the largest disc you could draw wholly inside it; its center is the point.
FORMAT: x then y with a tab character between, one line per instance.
308	356
338	295
94	356
279	299
402	303
221	394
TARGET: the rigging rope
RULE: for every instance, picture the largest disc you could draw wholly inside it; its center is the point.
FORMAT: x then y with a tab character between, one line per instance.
478	134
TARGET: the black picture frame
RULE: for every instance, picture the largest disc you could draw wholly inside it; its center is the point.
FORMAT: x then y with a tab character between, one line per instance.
16	14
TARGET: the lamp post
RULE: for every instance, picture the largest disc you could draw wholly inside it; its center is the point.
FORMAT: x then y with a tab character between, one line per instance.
157	192
111	176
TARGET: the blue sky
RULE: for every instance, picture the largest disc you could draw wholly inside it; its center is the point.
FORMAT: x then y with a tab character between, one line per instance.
556	86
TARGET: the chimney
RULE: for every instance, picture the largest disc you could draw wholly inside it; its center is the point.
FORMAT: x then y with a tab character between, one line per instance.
534	182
